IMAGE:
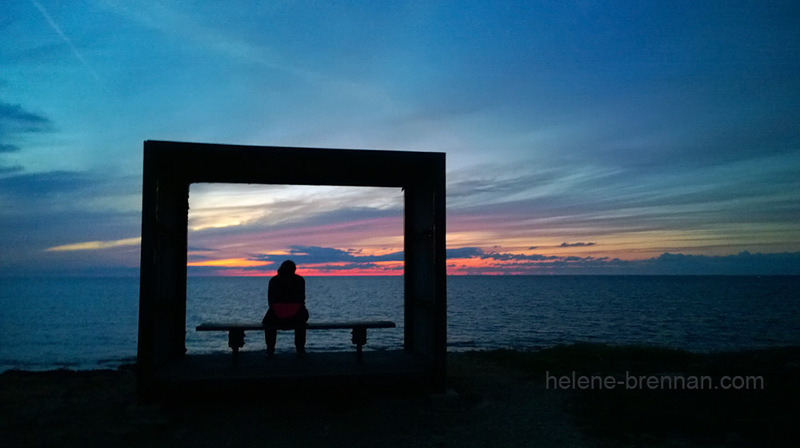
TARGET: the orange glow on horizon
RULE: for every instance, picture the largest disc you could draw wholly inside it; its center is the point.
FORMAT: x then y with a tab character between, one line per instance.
338	269
229	263
230	268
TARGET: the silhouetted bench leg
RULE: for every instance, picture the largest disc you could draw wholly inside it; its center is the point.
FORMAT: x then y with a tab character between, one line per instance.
236	341
359	338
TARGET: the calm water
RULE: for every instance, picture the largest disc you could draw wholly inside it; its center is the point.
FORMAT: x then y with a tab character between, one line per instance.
84	323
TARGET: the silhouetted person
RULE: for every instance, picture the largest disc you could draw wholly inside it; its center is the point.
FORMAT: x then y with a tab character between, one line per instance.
287	307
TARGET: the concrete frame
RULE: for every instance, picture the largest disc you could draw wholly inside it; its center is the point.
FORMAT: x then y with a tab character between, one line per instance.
170	168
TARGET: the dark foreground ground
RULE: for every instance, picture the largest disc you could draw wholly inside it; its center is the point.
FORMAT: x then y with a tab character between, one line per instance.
499	398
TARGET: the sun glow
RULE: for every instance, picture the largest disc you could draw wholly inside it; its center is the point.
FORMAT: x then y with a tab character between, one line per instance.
229	263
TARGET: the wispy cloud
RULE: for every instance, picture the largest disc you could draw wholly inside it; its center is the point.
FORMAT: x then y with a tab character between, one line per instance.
577	244
310	259
214	206
15	122
170	19
743	263
474	260
317	254
95	245
71	45
16	119
644	129
8	148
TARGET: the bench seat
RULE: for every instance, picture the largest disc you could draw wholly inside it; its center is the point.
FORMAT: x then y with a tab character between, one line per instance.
236	331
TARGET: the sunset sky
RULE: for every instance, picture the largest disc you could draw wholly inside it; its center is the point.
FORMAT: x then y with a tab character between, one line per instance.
581	136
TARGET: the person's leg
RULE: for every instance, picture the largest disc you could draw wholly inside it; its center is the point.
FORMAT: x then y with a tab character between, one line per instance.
271	337
300	340
300	331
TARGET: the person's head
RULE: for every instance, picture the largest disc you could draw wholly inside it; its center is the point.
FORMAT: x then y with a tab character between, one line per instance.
287	267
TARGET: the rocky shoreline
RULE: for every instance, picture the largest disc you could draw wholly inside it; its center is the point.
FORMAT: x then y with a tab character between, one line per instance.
496	398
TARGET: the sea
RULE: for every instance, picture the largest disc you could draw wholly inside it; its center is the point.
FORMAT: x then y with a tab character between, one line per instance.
90	323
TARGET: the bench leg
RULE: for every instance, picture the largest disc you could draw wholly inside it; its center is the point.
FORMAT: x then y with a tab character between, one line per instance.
359	338
235	342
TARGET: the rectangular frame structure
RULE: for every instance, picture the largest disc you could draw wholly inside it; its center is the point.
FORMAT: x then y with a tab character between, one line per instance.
171	167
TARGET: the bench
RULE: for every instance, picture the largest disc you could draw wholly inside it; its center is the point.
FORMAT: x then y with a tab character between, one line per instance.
236	331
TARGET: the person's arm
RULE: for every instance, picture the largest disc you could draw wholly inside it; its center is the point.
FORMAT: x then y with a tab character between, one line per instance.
302	290
271	292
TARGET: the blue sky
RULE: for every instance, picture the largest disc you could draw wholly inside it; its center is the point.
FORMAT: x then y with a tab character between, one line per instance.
581	136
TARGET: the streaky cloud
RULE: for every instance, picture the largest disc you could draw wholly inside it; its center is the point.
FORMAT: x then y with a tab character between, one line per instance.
648	128
16	119
95	245
10	169
8	148
507	256
333	259
307	255
31	185
57	29
465	252
200	249
743	263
